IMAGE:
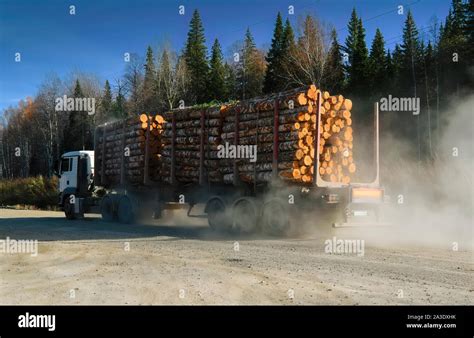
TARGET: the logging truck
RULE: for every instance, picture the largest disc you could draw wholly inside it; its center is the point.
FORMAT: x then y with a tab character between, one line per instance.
143	165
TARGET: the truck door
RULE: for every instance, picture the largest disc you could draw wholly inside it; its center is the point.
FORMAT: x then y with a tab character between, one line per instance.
68	173
82	176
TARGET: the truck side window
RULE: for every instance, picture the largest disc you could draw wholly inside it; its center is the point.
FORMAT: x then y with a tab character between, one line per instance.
65	165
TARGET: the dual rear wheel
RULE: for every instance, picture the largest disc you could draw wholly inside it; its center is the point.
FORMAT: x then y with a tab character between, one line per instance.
119	208
218	214
276	218
247	215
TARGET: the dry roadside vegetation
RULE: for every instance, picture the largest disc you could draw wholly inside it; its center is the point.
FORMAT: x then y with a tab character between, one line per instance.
37	192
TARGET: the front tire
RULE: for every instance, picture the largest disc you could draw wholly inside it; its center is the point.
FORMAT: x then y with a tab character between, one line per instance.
69	209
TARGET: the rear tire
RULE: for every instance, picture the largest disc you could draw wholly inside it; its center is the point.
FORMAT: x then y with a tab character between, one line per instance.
217	215
107	209
275	218
245	215
125	210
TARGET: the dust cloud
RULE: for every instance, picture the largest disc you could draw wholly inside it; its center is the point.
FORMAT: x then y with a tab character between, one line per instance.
431	203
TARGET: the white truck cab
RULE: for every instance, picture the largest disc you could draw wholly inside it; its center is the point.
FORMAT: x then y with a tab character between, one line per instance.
76	172
68	170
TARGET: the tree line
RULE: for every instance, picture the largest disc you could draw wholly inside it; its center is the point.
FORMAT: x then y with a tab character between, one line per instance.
33	134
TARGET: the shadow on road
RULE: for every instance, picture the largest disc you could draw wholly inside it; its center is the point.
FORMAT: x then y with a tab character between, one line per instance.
59	229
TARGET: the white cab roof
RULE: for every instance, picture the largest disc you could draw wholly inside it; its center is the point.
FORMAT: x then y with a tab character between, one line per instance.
79	152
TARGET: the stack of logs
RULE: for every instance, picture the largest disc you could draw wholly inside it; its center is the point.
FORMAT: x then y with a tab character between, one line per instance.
215	130
124	149
335	144
296	131
192	124
252	123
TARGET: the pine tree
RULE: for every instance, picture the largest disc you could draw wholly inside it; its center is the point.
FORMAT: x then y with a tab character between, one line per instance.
469	30
150	94
150	70
351	39
230	83
390	71
378	64
454	47
334	73
217	73
78	89
458	19
78	122
397	61
251	69
288	49
273	78
361	61
429	88
119	104
357	69
410	49
105	104
76	136
288	37
164	80
410	77
195	55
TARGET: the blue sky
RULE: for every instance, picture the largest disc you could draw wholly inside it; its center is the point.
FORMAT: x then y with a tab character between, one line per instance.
94	40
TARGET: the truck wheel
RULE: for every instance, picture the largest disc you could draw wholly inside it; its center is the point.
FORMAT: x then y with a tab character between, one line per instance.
157	212
69	209
107	208
275	218
125	210
217	214
245	215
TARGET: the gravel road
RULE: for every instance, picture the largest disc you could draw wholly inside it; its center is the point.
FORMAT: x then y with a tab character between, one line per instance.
173	262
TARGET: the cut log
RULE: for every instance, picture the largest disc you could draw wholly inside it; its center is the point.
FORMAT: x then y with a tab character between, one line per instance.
144	118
